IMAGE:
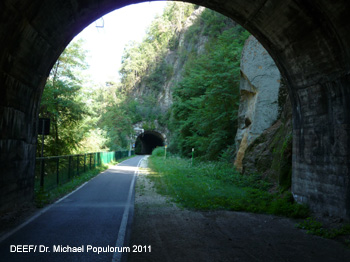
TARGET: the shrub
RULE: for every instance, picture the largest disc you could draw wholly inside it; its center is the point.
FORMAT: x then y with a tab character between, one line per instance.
159	151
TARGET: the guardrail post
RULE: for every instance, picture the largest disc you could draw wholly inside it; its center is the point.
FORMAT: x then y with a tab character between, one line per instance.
69	166
58	171
77	165
42	172
84	163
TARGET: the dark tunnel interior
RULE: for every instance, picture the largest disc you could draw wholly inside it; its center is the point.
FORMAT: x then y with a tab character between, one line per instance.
147	141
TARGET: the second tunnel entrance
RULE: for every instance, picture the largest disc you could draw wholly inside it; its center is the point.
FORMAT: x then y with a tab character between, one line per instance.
147	141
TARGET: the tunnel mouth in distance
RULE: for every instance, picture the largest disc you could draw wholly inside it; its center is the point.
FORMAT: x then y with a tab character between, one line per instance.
147	141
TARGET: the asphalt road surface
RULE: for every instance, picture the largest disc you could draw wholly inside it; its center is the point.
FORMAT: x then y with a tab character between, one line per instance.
88	224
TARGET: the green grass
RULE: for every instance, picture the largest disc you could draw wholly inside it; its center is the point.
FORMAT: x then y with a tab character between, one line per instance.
216	185
43	197
159	151
315	227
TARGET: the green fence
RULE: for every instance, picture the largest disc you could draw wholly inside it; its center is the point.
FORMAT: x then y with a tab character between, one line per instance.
57	170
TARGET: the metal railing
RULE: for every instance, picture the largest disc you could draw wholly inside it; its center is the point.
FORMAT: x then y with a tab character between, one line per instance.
57	170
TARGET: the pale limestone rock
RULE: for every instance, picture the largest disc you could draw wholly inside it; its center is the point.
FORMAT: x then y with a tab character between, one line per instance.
259	87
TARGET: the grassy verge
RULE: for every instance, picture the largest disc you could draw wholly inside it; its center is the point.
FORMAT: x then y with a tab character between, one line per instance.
341	232
213	186
43	198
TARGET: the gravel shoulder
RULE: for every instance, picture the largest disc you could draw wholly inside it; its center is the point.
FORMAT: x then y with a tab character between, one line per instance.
177	234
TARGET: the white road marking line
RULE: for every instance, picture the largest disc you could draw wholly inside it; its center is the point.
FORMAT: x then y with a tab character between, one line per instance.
122	229
37	215
7	235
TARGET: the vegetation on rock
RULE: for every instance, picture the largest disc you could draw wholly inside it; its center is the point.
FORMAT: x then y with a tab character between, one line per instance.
204	112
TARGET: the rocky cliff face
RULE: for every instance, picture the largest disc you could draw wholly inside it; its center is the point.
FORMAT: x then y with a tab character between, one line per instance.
259	87
271	153
263	140
174	60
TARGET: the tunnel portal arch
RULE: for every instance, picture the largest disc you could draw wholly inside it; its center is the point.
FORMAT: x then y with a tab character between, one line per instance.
147	141
309	41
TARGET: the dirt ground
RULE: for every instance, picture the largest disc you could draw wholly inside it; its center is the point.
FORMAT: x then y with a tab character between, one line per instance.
176	234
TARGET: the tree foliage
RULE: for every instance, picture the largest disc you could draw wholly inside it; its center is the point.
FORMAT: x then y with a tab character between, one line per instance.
204	112
140	59
63	103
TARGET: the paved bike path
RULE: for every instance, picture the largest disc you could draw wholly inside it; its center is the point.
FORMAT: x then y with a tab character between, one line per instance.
87	220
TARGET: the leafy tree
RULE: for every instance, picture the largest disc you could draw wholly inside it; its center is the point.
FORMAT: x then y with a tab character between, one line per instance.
116	122
206	100
141	60
62	101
